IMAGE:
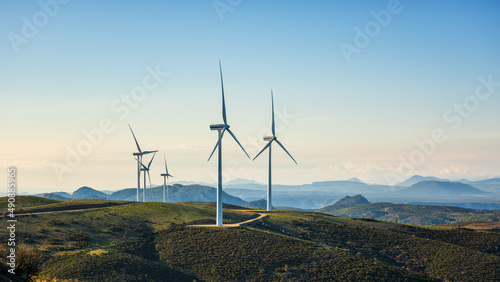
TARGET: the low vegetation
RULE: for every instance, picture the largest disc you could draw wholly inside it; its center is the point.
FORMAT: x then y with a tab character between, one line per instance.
151	242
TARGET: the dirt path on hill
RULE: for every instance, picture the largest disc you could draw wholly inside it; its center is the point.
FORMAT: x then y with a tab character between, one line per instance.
233	225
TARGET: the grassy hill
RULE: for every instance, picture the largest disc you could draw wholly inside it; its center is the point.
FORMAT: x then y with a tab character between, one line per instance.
348	201
413	214
151	242
258	204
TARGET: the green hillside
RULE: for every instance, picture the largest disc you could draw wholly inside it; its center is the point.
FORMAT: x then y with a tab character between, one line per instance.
413	214
350	201
151	242
26	201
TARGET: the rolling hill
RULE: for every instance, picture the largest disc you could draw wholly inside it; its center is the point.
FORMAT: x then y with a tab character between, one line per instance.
350	201
53	196
151	242
413	214
85	192
258	204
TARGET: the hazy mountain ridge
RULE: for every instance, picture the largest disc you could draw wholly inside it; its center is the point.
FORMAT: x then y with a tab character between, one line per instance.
176	193
418	178
322	193
447	188
53	196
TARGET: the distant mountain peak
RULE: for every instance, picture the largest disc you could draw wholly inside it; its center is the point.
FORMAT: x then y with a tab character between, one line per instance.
436	187
418	178
85	191
348	201
242	181
354	179
345	202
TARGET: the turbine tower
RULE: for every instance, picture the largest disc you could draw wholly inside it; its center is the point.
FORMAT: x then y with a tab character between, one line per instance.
271	139
165	175
146	169
139	163
222	128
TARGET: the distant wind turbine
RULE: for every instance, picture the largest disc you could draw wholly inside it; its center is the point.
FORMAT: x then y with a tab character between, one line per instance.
165	175
271	139
221	128
139	163
146	169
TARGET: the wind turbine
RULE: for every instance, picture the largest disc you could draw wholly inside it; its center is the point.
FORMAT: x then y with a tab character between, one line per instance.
221	128
139	162
165	177
271	139
146	169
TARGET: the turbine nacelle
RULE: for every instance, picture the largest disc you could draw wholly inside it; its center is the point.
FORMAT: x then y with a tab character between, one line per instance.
269	138
218	126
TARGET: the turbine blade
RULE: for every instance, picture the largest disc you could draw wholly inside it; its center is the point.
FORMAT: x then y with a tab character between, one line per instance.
216	145
273	126
238	142
265	147
149	165
136	143
283	147
168	175
166	169
149	179
148	152
223	100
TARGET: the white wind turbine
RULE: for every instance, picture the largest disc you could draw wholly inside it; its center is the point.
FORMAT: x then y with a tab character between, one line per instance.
146	169
139	163
271	139
165	175
221	128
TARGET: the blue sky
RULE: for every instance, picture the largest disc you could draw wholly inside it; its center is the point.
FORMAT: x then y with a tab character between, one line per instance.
340	119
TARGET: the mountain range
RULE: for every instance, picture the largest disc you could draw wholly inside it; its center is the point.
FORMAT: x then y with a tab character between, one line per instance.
315	195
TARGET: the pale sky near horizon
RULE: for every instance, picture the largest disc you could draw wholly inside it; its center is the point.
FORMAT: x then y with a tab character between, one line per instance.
415	67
